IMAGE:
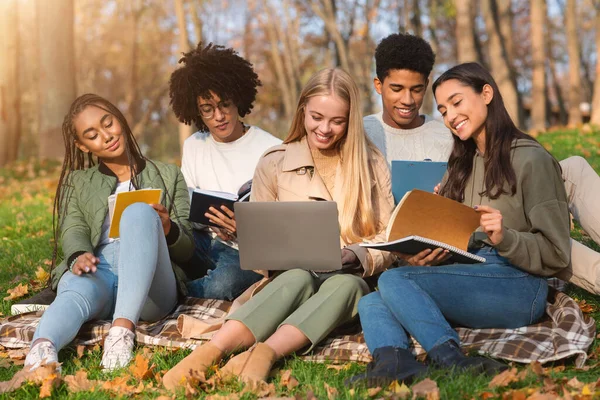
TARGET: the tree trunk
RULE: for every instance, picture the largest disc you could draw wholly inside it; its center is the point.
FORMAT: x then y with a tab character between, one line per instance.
505	22
185	131
500	67
465	32
10	119
327	14
538	49
57	75
574	64
595	117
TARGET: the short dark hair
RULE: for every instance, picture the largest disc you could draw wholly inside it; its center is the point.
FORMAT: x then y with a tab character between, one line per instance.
403	51
211	68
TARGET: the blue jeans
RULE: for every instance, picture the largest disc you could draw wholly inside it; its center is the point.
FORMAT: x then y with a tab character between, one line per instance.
225	280
426	302
133	280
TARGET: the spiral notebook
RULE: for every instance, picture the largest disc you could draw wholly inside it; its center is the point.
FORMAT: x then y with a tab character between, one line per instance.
423	220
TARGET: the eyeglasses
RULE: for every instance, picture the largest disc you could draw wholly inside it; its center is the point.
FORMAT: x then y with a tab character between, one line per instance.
208	110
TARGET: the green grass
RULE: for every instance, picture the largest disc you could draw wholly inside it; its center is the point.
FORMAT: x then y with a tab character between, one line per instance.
26	192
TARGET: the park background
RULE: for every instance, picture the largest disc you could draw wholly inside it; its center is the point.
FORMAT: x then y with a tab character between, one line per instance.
544	55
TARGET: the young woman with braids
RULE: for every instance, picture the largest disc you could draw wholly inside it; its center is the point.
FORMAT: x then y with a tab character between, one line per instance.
215	88
126	279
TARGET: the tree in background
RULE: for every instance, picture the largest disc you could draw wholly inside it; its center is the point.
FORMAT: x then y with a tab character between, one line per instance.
595	117
10	118
57	72
538	81
574	64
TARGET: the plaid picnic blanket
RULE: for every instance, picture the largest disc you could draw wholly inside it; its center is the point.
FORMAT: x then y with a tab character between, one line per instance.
564	332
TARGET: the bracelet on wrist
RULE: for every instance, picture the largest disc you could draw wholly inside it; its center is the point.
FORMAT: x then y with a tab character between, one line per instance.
72	264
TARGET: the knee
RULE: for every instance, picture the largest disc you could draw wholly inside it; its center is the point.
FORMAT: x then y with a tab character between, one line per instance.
138	212
368	302
346	285
296	277
391	279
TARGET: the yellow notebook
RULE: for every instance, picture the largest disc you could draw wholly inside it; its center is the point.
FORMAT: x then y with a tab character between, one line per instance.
123	200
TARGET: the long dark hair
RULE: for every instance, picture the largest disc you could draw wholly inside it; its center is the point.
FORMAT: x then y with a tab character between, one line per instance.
500	132
75	159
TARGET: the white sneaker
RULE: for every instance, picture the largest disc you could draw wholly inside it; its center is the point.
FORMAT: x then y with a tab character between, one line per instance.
118	348
40	354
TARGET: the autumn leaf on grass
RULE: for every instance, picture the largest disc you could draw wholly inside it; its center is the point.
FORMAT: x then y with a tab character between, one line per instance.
372	392
575	384
504	378
332	393
17	354
586	307
41	275
79	382
288	380
119	386
140	368
48	383
232	396
537	395
17	292
426	388
400	390
514	395
260	389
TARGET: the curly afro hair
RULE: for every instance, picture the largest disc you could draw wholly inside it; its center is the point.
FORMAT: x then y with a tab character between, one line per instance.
211	68
403	51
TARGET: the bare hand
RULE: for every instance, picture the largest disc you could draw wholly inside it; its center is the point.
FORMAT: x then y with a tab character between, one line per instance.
164	217
436	189
491	223
225	219
426	258
85	263
222	233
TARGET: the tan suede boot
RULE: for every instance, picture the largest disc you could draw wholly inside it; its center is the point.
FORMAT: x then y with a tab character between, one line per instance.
252	365
197	361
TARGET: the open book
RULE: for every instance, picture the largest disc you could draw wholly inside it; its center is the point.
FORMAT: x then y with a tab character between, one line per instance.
202	200
424	220
117	203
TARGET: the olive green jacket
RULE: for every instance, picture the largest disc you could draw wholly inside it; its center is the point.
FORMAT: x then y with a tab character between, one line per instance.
86	201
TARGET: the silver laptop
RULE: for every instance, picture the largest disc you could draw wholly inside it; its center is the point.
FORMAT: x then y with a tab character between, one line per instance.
287	235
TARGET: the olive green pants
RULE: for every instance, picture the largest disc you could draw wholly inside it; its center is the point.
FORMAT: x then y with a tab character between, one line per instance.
314	305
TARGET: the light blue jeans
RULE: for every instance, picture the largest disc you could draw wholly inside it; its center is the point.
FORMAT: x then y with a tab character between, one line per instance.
426	302
134	280
225	280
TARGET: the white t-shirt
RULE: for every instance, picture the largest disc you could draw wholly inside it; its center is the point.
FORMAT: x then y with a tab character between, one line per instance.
211	165
432	140
104	239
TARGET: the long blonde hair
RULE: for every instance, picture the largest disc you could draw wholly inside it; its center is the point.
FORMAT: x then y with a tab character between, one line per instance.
357	219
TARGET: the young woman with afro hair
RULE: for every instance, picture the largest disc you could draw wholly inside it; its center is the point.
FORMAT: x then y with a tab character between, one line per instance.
214	89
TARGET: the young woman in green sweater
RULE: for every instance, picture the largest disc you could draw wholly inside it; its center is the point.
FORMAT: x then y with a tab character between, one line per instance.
124	279
516	186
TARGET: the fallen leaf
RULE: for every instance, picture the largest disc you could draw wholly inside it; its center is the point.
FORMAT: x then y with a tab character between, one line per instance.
288	380
586	307
537	368
343	367
332	392
543	396
80	350
119	386
232	396
17	292
400	390
559	368
486	395
575	384
140	368
79	382
426	388
514	395
18	354
41	275
48	383
372	392
504	378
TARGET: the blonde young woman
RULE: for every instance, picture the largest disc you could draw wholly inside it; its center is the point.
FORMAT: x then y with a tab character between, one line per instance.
326	156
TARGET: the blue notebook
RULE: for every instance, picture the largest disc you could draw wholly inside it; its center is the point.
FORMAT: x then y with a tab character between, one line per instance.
409	175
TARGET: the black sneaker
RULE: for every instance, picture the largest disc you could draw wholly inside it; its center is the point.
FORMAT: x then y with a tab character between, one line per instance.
37	302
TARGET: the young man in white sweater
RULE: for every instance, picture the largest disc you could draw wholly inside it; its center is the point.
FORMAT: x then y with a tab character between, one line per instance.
215	88
403	64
